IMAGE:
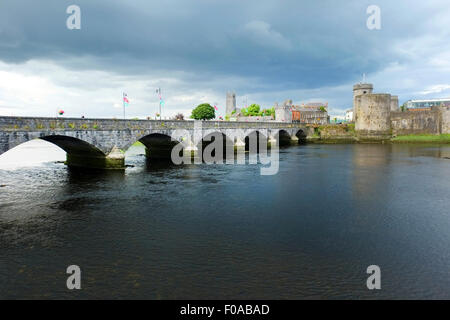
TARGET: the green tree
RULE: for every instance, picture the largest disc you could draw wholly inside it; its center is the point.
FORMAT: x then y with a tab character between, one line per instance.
254	110
203	111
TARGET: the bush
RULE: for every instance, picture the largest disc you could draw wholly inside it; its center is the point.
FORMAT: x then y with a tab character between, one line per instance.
179	116
268	112
203	111
254	110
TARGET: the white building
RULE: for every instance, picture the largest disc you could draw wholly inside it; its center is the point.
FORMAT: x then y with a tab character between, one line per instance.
423	104
349	115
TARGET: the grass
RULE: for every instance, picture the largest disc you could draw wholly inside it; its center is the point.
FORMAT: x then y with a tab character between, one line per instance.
412	138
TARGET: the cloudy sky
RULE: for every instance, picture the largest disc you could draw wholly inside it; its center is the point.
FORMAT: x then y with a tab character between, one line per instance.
197	50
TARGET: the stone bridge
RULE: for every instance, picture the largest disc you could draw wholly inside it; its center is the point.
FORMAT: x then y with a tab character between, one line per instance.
101	143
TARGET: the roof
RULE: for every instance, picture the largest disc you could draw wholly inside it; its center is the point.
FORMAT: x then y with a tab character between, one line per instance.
431	100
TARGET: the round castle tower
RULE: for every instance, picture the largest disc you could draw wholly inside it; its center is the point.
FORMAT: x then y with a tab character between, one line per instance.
360	89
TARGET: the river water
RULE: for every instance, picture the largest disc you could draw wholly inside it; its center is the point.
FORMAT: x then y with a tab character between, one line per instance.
224	231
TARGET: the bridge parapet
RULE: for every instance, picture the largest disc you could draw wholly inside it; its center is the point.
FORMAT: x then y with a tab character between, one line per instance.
67	124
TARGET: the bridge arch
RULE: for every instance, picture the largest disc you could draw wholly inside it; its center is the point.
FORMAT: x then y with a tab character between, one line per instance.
158	145
301	135
74	146
284	137
254	140
79	153
69	144
210	139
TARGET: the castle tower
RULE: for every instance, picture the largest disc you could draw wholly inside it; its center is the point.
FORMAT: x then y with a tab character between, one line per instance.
373	116
358	90
231	103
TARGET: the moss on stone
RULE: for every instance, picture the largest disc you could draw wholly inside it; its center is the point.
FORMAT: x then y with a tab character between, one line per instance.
95	162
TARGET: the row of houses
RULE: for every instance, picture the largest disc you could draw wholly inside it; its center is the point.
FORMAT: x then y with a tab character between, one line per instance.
307	113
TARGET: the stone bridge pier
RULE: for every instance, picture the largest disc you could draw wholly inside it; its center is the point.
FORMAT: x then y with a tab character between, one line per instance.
101	143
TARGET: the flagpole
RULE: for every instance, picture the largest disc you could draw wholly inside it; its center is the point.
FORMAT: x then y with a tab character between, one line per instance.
160	98
123	103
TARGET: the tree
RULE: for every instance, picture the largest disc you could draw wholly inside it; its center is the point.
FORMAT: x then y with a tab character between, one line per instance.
179	116
203	111
268	112
253	110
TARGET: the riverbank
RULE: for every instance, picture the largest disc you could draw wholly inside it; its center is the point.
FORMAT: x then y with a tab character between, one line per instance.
422	138
346	133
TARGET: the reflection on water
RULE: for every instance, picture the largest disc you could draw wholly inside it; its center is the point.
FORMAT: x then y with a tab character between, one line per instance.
224	231
32	153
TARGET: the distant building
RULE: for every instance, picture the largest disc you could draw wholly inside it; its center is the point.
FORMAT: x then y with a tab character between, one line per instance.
311	113
337	119
313	106
427	104
349	115
283	112
231	103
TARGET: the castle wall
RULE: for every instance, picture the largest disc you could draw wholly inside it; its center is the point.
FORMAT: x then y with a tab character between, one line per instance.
445	121
416	122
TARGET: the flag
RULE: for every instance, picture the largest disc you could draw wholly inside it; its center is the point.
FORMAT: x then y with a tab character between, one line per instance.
125	100
215	107
161	102
61	112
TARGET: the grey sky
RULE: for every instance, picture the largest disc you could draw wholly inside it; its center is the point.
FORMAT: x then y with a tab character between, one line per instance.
197	50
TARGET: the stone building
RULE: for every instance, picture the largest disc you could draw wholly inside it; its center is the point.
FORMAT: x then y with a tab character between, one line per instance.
358	90
231	103
373	116
283	112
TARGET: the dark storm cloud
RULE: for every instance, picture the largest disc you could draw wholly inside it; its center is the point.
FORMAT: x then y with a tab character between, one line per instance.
284	44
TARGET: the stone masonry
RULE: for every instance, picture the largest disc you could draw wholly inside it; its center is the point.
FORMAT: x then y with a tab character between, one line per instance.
100	143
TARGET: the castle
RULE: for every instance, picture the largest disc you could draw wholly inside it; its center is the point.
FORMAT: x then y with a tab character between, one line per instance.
377	116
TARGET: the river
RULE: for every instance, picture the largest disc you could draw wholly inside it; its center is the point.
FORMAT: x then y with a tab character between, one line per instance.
159	231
